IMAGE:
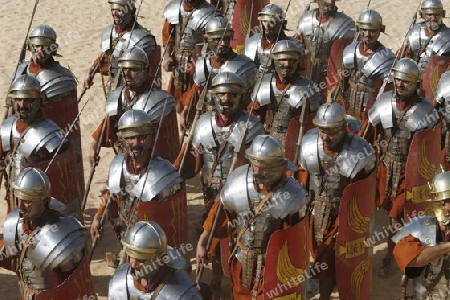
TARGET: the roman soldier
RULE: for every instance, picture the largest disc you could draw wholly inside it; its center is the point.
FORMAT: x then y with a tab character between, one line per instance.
136	93
142	186
340	168
30	140
124	34
368	63
318	29
260	210
214	139
47	250
182	36
282	96
407	137
153	269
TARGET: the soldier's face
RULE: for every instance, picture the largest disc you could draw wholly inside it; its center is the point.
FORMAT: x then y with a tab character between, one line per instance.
266	176
271	27
41	53
326	6
134	77
228	102
370	36
220	45
285	67
30	210
404	89
432	21
137	145
122	15
24	108
331	137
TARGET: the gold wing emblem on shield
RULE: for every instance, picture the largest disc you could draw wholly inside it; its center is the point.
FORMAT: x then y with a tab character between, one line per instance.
286	272
357	278
425	167
357	222
245	21
435	78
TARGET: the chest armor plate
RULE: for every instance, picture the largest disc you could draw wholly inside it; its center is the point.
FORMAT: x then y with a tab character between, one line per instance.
401	139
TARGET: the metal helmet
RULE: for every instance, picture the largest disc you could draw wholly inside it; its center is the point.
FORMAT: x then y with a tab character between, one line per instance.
229	83
119	4
42	35
135	58
432	7
272	13
406	69
145	240
33	186
440	191
330	115
370	19
218	27
440	187
26	87
133	123
287	49
266	151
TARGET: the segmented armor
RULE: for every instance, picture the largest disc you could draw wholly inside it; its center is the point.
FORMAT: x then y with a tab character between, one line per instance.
398	129
209	138
286	103
255	51
115	43
42	136
319	37
364	70
423	47
177	285
443	95
239	196
158	183
57	246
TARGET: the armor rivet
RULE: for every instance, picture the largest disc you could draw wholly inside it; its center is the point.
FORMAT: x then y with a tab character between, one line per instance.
426	222
427	241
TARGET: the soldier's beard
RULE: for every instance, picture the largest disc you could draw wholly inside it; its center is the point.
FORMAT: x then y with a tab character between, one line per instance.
431	25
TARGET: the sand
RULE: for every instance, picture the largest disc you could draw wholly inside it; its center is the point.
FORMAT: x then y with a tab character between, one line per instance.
79	25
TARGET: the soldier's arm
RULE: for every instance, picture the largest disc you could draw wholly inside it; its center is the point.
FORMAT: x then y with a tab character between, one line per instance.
192	163
100	65
168	35
411	256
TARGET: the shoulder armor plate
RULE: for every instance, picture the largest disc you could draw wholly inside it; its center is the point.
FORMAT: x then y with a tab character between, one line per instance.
251	46
112	103
422	228
105	44
442	45
10	232
201	71
288	199
6	133
153	102
342	27
303	89
59	243
41	134
305	23
203	131
443	94
201	16
353	147
160	176
381	111
115	174
380	63
264	94
422	116
172	12
118	284
21	69
254	128
141	37
243	67
414	37
349	55
179	286
56	80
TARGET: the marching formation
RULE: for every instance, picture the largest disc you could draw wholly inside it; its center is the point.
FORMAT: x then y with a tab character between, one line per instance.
296	141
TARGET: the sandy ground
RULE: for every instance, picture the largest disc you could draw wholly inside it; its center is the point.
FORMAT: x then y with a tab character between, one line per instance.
79	25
